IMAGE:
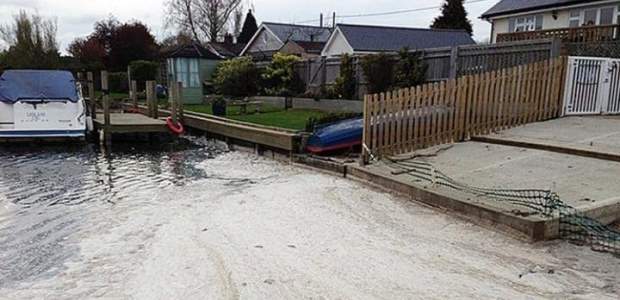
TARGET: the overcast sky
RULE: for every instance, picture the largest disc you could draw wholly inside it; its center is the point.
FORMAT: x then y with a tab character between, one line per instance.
76	17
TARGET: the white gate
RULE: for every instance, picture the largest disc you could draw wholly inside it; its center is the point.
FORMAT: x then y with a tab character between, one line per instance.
592	86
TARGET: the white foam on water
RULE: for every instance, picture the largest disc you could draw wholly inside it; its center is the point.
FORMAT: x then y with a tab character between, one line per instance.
260	229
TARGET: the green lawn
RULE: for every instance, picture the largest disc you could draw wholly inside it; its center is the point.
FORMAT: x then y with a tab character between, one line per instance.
269	116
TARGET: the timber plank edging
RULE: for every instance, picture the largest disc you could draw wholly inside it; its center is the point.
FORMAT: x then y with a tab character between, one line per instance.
548	147
283	140
531	229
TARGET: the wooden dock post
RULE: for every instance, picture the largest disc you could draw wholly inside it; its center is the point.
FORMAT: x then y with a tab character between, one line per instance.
151	100
91	94
134	93
106	108
173	102
179	98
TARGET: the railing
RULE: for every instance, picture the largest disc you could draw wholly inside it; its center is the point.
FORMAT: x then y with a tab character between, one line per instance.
583	34
414	118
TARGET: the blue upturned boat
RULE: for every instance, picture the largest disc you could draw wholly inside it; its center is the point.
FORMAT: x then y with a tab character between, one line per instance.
336	136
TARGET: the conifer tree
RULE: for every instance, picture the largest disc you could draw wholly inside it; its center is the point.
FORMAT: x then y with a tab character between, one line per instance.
249	29
453	16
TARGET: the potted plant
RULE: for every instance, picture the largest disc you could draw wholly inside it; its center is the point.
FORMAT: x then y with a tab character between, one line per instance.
219	106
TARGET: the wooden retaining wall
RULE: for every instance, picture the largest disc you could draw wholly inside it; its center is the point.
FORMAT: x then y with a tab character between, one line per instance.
283	140
419	117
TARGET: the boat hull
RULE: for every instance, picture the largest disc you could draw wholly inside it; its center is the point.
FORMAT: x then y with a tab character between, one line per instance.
336	137
42	120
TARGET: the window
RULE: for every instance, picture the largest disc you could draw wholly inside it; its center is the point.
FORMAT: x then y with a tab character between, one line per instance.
589	17
187	71
525	24
594	16
607	16
574	19
182	72
194	73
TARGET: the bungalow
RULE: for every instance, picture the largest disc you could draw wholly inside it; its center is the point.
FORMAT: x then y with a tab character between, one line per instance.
516	16
271	37
366	39
193	64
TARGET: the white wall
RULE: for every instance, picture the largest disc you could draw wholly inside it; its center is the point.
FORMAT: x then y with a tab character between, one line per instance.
6	115
265	41
561	20
337	45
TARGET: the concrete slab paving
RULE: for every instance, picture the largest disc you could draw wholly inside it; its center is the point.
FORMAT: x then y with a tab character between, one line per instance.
587	184
580	181
587	136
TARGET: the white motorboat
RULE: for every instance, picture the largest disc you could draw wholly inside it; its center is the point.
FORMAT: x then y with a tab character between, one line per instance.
41	104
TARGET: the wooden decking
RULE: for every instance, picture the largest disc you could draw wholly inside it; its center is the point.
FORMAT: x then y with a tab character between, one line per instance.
131	123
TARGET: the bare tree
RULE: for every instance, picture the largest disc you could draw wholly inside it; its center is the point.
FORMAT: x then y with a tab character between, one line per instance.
237	22
205	19
31	41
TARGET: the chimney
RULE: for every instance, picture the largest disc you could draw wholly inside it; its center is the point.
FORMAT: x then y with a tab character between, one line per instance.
321	24
334	21
228	39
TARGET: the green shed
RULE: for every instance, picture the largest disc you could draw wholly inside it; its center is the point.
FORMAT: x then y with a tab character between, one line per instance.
193	65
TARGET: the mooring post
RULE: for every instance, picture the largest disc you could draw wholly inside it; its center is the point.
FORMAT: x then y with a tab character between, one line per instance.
179	99
134	93
107	136
151	99
91	94
173	102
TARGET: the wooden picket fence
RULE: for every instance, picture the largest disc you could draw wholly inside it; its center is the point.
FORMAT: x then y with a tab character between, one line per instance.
409	119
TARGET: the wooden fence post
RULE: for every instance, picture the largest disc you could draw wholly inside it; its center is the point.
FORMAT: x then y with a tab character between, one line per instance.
367	120
454	63
134	93
107	136
151	100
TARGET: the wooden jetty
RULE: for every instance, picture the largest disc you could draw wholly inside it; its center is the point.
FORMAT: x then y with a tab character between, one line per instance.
108	123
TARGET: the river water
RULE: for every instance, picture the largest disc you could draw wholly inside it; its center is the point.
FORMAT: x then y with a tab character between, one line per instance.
191	220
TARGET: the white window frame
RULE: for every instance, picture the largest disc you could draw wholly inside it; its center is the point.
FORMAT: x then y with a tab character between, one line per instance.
184	73
194	73
525	23
582	15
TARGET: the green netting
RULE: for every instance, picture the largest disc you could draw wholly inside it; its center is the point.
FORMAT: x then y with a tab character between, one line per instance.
574	225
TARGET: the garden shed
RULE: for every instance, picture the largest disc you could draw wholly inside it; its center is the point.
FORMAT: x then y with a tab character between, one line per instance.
193	65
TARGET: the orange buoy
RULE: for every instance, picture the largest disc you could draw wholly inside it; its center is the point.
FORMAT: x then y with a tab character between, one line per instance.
177	129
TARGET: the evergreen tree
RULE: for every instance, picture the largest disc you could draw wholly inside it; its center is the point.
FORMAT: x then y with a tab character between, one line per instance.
249	28
453	16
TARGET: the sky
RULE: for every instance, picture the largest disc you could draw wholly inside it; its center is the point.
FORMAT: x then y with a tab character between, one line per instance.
76	17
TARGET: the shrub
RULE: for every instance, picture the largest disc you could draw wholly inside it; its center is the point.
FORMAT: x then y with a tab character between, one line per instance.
118	82
280	77
312	123
379	72
410	70
345	83
236	77
142	70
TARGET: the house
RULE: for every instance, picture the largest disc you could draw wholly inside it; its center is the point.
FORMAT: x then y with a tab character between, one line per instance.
305	50
193	64
366	39
517	16
271	37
